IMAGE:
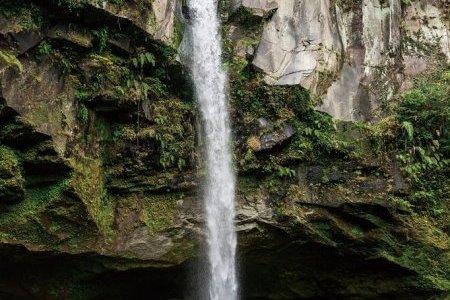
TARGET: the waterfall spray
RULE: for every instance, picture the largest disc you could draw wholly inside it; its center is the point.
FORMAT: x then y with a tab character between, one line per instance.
219	194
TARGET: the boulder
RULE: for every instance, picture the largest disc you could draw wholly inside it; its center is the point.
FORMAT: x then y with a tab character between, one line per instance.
273	139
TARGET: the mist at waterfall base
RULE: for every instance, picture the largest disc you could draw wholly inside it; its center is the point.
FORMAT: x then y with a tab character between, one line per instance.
210	83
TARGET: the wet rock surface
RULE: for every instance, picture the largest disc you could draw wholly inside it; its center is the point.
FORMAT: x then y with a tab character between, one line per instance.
100	172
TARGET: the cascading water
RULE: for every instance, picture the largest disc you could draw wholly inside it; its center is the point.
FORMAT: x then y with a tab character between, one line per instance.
211	86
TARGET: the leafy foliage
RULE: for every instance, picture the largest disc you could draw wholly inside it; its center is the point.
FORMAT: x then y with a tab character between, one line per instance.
253	100
174	135
83	113
423	113
44	48
102	36
22	14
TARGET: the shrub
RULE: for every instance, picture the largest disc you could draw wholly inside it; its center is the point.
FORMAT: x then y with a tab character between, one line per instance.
424	142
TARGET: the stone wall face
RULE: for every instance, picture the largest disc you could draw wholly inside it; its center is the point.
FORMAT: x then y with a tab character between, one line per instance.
358	47
101	160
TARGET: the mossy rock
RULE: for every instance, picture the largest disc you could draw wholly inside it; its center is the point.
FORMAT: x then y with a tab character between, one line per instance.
11	179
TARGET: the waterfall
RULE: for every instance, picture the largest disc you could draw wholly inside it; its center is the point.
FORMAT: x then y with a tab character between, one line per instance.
211	91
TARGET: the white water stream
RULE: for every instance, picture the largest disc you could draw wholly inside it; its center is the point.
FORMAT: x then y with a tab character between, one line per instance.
219	194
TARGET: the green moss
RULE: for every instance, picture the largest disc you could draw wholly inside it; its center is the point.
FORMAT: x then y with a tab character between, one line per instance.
184	250
177	33
9	161
22	222
426	260
88	183
161	211
11	179
10	60
325	80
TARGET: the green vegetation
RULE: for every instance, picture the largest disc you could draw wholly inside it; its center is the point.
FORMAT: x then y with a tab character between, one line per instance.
315	135
22	221
126	172
22	15
416	131
102	36
83	114
174	135
424	142
9	161
160	212
88	183
44	49
11	179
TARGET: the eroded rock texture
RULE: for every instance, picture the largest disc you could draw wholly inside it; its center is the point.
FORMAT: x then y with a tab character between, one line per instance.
348	52
100	152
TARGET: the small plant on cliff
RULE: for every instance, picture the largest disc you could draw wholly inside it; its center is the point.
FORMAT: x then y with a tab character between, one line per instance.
285	172
73	4
139	82
102	36
174	136
143	59
83	113
44	49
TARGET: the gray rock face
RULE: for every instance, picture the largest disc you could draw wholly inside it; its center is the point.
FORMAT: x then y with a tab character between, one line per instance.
349	57
367	48
259	8
164	14
299	40
428	22
158	19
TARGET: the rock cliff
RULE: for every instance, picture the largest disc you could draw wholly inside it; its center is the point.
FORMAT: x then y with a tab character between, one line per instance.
340	117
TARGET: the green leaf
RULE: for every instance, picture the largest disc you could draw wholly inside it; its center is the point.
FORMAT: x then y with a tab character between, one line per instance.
409	129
